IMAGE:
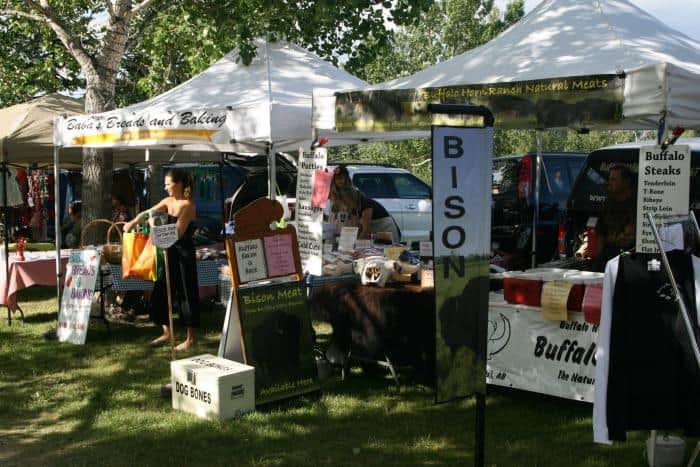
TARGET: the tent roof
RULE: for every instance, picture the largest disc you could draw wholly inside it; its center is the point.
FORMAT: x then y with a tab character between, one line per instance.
576	38
26	130
561	38
268	101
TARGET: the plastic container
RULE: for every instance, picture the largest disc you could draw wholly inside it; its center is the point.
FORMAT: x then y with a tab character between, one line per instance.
581	280
592	302
525	287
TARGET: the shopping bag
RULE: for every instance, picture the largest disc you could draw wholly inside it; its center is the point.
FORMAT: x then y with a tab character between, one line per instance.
145	266
133	244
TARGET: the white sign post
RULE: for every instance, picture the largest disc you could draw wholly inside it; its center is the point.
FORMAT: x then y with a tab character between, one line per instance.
76	301
663	190
164	236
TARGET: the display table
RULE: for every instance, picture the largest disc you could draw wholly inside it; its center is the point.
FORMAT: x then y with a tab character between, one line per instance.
394	325
524	351
207	275
39	268
529	353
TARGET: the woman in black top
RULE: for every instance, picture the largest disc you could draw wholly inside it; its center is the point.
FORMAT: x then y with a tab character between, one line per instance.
350	207
181	211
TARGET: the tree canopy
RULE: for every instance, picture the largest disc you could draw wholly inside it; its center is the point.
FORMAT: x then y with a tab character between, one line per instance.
121	51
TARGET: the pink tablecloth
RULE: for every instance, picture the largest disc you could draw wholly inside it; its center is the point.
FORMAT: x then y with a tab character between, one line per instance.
36	269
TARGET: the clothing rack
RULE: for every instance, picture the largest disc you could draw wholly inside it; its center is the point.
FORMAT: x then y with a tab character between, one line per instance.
682	308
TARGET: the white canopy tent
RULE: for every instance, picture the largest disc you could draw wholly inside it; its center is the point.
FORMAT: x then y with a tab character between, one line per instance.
647	75
230	107
263	107
578	38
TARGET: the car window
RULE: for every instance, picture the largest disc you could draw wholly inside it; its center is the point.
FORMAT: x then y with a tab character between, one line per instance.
557	177
592	186
409	186
575	166
374	185
505	176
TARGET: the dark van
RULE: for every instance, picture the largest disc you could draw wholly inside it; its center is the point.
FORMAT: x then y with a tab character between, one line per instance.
513	192
590	188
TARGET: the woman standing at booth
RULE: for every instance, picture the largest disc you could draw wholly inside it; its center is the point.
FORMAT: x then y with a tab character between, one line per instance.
181	211
349	207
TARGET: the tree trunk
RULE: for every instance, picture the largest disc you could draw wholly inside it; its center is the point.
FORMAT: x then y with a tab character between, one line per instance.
97	164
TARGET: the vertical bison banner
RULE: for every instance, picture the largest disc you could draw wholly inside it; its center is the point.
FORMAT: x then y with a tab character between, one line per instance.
461	238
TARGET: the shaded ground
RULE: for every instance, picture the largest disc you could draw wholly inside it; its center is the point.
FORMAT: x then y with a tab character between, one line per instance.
100	404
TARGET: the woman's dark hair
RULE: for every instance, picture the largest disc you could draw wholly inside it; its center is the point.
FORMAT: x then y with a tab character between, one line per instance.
347	194
120	199
76	207
184	177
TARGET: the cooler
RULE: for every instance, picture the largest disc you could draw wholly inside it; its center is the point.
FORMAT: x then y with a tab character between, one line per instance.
212	387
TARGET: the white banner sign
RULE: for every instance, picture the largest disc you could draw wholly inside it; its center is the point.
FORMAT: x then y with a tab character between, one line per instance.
121	128
309	219
550	357
76	301
663	190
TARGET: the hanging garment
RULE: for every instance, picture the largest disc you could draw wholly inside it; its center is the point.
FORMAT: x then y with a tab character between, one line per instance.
14	192
646	373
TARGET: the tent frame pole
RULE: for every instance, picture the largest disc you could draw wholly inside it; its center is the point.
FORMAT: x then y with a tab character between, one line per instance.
223	196
271	171
6	215
536	214
57	223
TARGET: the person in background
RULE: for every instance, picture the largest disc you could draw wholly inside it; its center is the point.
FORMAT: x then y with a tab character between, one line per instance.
119	210
181	211
616	228
349	207
71	229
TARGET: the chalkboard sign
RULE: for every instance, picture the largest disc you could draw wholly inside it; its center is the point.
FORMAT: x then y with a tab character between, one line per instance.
268	322
278	340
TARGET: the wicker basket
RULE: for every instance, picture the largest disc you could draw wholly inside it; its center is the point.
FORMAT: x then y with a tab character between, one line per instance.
111	252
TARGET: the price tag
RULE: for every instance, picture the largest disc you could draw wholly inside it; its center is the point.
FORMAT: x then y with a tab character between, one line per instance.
363	244
348	235
164	236
555	294
426	249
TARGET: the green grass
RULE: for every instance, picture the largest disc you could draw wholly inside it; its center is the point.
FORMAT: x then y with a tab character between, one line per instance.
100	404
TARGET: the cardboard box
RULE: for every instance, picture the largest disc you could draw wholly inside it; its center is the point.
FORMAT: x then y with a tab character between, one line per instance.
212	387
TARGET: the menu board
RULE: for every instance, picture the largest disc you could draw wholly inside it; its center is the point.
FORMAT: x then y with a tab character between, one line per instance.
279	255
250	259
663	189
309	219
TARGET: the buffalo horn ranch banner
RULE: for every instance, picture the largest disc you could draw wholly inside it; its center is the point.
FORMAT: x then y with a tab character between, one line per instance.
211	126
578	102
461	231
663	189
530	353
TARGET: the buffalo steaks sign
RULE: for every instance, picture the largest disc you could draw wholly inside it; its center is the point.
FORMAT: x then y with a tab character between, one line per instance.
461	238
